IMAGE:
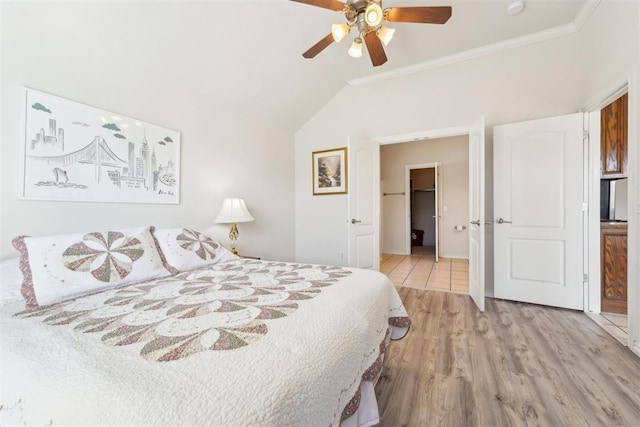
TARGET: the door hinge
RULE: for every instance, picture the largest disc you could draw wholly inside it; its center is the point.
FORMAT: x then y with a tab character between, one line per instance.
585	207
585	134
585	278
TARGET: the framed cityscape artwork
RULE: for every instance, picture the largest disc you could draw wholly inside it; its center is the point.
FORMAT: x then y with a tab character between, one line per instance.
75	152
329	171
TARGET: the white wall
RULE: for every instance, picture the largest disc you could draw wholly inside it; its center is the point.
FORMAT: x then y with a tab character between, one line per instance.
525	83
453	154
81	53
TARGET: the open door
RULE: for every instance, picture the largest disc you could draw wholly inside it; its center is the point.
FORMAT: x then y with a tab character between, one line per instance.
538	203
437	199
476	213
364	204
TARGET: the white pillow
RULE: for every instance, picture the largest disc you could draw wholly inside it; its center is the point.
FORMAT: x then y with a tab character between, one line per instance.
56	268
186	249
10	280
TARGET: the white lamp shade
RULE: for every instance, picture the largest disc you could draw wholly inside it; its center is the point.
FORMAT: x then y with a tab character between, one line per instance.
355	51
385	34
233	210
373	14
339	31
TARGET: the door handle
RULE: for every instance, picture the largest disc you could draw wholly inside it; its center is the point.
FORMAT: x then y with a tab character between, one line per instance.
355	221
475	222
502	221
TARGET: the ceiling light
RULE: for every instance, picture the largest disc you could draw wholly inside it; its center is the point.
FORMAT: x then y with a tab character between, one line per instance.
385	34
355	51
515	7
339	31
373	14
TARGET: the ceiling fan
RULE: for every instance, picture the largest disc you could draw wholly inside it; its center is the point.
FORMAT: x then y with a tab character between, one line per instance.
367	16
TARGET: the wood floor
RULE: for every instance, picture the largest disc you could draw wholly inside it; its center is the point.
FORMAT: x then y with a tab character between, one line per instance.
514	365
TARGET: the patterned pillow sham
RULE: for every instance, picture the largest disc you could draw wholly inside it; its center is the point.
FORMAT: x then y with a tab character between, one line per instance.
57	268
186	249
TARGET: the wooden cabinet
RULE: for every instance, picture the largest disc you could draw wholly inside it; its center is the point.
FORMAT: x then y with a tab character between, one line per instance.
613	139
613	259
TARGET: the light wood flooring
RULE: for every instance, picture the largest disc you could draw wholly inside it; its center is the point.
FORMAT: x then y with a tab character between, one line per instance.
514	365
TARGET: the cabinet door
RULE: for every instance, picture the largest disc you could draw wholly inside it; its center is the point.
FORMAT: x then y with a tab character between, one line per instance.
613	138
614	270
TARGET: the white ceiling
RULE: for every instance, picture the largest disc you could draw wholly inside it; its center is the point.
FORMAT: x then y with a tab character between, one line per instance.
292	88
247	54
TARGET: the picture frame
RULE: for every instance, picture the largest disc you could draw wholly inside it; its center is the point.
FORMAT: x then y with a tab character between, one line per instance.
329	171
75	152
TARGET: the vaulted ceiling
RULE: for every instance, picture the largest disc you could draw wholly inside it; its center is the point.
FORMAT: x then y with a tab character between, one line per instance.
272	35
247	54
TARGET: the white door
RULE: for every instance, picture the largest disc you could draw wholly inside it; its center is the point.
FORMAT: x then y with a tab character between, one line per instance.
538	195
436	216
364	204
476	213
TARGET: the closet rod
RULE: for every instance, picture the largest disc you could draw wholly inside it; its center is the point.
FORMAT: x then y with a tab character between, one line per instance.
392	194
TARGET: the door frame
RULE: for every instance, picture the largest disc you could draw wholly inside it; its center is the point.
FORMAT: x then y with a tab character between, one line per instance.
627	83
407	203
412	137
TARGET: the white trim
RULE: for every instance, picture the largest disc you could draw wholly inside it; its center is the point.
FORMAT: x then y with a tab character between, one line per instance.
422	135
550	33
592	242
585	13
447	256
633	240
489	49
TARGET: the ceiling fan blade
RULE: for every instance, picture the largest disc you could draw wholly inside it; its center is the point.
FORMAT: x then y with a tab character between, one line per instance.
375	49
326	4
420	15
318	47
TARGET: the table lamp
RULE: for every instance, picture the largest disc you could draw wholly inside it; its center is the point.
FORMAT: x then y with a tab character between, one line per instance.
232	212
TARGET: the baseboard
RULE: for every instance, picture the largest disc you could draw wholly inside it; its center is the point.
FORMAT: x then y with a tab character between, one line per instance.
454	256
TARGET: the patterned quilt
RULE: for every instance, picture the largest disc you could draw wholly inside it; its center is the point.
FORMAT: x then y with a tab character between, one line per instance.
243	342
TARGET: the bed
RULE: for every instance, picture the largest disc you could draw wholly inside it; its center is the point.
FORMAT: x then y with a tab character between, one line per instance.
231	342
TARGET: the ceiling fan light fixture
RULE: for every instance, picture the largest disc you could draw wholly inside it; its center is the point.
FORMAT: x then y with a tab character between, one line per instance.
373	14
355	51
339	31
385	34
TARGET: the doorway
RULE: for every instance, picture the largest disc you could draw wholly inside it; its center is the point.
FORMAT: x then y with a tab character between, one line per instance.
609	171
425	206
423	209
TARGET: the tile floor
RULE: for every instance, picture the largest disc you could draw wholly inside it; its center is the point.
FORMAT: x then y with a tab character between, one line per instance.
419	270
614	324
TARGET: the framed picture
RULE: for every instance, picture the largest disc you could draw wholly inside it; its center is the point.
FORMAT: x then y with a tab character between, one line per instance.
75	152
329	171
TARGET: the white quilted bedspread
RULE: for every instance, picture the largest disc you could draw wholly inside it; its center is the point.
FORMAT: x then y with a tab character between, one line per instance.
240	343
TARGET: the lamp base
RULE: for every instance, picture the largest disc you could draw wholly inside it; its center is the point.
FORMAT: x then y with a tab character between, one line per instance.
233	236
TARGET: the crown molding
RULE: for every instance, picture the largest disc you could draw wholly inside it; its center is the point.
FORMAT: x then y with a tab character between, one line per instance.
551	33
585	13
